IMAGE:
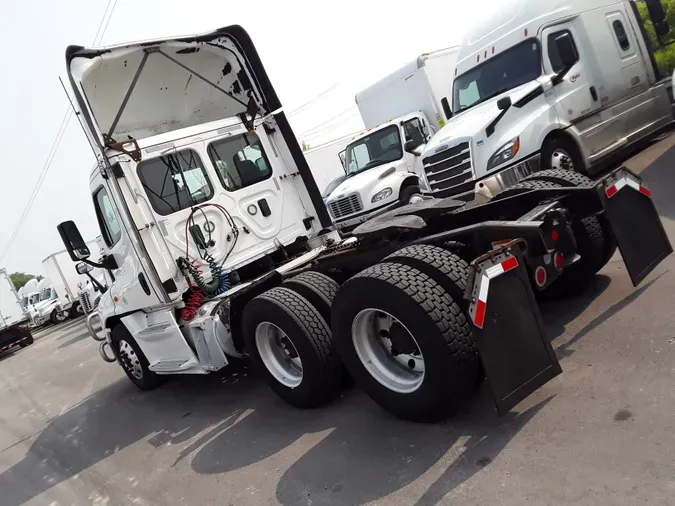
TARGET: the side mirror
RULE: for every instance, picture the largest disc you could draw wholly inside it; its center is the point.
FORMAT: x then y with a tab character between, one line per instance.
83	268
566	50
72	240
446	107
504	104
662	28
411	146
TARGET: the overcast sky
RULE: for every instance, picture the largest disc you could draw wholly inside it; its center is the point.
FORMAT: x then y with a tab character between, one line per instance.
340	46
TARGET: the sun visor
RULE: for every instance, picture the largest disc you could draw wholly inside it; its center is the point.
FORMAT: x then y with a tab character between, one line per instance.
145	89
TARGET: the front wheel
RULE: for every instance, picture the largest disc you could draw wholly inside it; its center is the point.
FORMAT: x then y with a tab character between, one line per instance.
58	317
562	153
133	361
410	195
406	342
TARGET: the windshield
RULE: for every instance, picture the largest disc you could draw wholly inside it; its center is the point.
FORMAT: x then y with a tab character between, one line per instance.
515	67
380	147
46	294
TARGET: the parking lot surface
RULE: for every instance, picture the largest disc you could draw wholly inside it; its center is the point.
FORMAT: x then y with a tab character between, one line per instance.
74	430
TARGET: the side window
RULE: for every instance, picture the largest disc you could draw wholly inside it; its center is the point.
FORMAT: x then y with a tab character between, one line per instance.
413	131
239	161
107	219
174	182
621	35
553	55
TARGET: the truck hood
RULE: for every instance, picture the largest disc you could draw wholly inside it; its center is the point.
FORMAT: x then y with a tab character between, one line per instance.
148	88
472	123
361	183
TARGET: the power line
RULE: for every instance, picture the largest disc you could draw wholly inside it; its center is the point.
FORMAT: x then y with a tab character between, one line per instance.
100	32
316	127
310	102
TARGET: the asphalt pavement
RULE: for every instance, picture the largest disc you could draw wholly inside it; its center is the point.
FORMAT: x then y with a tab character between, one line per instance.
74	430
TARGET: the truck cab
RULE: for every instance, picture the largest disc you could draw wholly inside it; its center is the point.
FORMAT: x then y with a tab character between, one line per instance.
541	85
384	170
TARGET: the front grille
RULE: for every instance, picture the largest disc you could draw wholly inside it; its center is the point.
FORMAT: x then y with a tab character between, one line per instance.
85	302
346	206
450	172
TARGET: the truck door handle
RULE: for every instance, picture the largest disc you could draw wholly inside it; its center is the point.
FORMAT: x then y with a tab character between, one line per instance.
594	94
144	283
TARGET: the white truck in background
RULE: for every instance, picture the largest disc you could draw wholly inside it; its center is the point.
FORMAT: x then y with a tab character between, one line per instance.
14	319
562	84
48	307
327	163
65	282
401	112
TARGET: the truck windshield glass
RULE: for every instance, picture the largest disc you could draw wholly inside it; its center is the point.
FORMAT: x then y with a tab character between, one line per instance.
499	74
46	294
383	146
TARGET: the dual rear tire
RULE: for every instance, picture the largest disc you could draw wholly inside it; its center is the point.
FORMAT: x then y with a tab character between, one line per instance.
399	328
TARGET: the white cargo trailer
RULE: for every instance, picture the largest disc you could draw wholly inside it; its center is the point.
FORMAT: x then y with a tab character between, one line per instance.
327	161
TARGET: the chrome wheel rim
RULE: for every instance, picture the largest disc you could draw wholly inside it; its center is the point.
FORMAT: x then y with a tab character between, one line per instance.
416	198
279	354
561	159
376	336
79	309
60	317
130	360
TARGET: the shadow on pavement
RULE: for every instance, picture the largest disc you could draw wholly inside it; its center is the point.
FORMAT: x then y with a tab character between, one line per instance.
660	179
74	339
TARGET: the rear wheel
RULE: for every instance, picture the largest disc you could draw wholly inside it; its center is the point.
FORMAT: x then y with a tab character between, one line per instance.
406	342
291	344
76	309
133	361
591	246
319	290
28	340
568	178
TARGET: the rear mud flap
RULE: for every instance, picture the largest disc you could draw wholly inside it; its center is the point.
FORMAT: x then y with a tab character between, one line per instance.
508	328
636	224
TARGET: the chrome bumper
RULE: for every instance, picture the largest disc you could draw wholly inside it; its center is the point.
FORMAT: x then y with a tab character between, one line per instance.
97	333
487	188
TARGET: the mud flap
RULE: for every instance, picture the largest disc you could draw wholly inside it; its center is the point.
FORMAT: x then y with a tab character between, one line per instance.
636	224
516	353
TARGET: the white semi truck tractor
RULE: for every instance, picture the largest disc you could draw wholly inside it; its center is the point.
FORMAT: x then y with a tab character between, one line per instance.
560	84
219	246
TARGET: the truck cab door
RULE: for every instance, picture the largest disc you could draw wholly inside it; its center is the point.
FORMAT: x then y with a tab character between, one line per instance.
577	96
133	287
414	130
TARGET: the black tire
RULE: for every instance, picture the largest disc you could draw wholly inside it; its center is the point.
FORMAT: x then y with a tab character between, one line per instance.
590	246
311	337
317	288
54	317
444	267
567	146
28	340
148	380
439	326
320	291
407	192
568	178
76	309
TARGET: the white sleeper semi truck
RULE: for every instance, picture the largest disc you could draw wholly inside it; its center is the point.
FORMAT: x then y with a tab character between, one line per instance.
14	318
219	245
561	84
383	163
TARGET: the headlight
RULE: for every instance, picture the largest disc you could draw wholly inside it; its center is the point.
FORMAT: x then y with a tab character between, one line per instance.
381	195
504	154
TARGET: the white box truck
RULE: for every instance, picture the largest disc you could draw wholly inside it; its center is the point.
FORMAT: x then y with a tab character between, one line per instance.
14	319
561	84
401	112
66	282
